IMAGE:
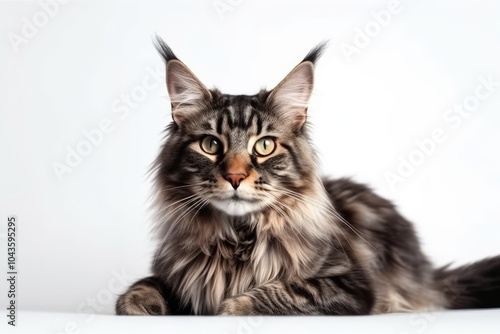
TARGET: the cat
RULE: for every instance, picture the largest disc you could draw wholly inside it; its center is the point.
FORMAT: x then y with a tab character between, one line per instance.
246	225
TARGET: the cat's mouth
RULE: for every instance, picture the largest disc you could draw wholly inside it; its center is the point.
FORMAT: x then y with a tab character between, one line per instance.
236	205
237	197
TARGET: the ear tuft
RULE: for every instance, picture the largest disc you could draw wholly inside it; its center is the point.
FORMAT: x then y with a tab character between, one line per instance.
316	52
291	97
164	50
184	88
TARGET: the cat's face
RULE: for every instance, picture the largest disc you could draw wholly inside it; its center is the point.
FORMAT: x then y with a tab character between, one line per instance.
237	153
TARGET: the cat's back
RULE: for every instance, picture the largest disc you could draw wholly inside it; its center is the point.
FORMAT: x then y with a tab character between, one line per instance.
384	243
362	208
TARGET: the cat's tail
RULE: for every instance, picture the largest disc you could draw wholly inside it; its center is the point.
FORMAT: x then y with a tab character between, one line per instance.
475	285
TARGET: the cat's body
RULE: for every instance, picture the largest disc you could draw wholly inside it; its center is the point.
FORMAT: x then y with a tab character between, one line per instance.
246	225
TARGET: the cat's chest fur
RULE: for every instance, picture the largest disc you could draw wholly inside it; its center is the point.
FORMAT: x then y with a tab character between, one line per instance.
222	257
239	249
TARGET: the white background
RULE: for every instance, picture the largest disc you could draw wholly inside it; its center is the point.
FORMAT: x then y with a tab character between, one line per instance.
78	233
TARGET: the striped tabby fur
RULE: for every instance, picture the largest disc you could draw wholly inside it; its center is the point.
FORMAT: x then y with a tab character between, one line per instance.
240	233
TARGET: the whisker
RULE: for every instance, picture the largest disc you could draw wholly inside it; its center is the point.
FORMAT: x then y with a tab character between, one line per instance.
183	205
331	210
186	212
334	233
181	200
289	209
204	202
184	186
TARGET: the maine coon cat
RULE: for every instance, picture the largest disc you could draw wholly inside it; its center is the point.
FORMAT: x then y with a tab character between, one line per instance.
246	225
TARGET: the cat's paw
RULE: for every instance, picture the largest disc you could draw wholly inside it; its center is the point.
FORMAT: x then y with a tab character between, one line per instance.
141	300
239	305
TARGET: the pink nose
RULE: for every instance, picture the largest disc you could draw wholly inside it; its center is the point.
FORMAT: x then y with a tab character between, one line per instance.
235	179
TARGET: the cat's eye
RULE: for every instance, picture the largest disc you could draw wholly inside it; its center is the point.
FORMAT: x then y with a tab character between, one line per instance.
211	145
264	146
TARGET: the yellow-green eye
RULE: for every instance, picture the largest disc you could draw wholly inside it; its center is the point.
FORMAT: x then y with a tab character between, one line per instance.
211	145
264	146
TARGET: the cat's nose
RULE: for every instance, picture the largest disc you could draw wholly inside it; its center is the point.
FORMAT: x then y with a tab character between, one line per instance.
235	179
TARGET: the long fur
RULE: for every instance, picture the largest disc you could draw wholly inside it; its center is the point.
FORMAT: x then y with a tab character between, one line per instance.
286	241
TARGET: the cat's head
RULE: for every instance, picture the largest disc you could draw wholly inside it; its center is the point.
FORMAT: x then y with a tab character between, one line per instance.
236	153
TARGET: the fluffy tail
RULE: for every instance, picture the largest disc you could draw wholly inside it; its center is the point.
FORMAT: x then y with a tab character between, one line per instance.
476	285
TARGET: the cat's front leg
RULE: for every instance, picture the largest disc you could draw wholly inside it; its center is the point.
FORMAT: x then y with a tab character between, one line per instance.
340	295
144	297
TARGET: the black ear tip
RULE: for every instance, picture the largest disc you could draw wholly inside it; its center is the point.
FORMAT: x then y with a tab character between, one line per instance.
164	50
316	52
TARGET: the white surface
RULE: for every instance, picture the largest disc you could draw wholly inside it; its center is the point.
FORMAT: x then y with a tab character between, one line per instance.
75	235
455	322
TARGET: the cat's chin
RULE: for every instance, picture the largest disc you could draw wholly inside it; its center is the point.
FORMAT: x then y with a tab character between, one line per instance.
236	207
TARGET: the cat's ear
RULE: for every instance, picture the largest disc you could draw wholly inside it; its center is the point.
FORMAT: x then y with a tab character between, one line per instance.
184	88
290	98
